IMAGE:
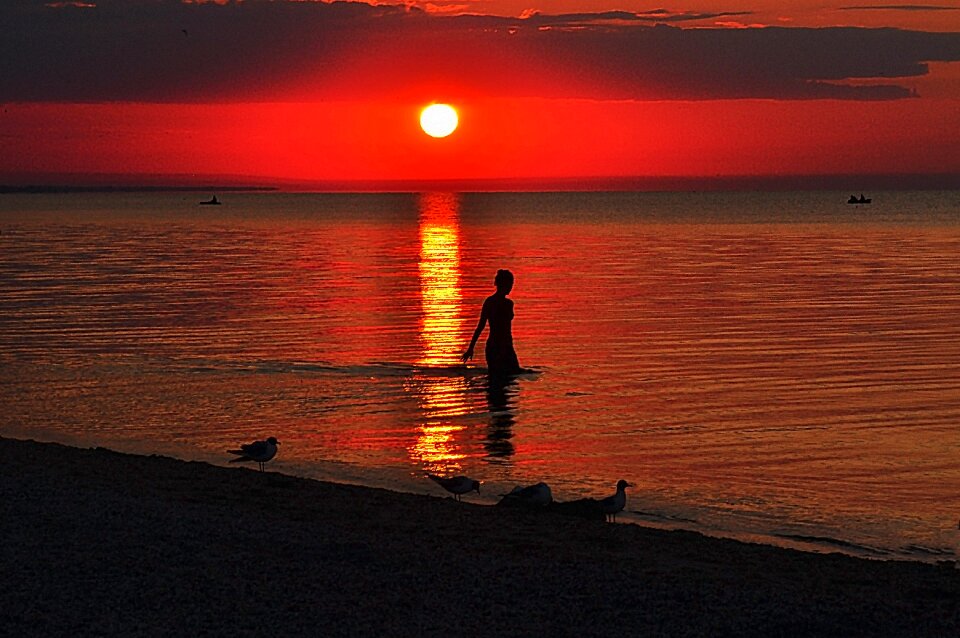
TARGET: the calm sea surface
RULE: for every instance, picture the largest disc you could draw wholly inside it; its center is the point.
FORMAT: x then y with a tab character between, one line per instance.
775	366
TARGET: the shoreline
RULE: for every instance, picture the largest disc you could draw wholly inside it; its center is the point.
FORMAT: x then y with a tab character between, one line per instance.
401	482
97	541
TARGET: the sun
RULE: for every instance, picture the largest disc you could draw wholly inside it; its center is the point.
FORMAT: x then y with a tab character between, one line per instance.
438	120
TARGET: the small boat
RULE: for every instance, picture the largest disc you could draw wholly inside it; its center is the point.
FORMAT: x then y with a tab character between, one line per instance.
213	201
861	200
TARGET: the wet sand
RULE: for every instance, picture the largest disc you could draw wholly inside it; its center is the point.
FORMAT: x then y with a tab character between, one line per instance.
97	542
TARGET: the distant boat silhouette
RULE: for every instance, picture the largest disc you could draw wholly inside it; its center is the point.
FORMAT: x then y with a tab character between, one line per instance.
213	201
862	200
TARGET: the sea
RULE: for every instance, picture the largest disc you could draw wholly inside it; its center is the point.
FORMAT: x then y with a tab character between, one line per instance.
776	367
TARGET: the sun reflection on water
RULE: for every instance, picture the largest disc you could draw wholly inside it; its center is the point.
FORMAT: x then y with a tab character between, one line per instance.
441	396
436	450
441	320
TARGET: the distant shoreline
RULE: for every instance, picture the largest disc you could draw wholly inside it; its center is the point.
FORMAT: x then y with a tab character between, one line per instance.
171	183
58	189
101	542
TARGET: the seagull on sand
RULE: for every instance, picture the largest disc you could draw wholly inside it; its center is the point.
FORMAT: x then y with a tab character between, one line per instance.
535	495
456	485
613	504
258	451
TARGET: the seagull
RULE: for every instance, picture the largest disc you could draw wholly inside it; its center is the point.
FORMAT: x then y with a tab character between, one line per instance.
535	495
613	504
258	451
456	485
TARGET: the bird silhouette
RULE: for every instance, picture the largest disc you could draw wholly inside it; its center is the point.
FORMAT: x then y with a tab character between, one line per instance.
456	485
536	495
613	504
258	451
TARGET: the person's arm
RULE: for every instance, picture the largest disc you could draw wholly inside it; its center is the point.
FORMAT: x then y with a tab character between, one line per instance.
476	334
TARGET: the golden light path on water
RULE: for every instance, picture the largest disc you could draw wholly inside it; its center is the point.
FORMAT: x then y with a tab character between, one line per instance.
441	397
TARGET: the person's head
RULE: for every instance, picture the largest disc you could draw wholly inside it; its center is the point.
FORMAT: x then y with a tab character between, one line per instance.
504	281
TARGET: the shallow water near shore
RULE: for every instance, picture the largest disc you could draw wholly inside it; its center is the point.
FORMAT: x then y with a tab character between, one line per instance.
778	366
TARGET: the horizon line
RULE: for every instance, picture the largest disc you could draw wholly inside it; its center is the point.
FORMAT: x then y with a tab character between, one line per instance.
144	182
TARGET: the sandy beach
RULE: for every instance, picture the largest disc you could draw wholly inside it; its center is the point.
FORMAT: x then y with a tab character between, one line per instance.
102	543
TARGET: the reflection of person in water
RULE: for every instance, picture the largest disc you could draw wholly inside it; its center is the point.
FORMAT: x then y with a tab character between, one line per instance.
498	310
501	401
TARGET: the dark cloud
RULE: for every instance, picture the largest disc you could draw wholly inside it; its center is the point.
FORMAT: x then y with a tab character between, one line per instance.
898	7
168	51
656	16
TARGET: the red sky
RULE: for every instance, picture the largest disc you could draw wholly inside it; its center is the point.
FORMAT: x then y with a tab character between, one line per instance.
315	92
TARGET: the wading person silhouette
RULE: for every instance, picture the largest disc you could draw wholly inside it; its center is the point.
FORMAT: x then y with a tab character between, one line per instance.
498	310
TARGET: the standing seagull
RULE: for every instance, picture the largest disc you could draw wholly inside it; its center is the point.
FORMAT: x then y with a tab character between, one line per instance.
258	451
613	504
456	485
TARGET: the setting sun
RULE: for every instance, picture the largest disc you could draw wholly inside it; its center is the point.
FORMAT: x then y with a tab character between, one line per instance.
438	120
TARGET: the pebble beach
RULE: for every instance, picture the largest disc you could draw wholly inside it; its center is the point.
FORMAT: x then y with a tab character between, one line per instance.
101	543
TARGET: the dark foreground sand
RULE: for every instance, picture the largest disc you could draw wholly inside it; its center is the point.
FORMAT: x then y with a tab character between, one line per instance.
96	542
